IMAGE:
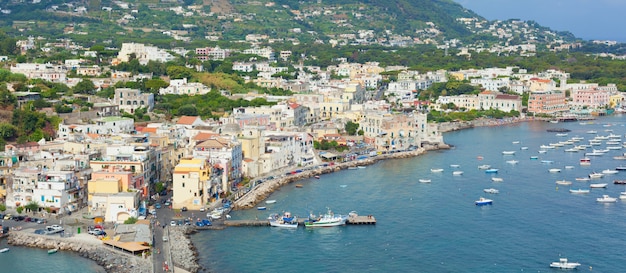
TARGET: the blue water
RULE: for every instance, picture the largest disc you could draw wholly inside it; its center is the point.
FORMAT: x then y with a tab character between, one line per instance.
27	260
436	227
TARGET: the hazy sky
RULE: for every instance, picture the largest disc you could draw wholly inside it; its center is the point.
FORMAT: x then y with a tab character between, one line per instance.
586	19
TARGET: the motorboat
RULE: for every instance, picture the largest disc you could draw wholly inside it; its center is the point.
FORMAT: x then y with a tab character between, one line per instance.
546	147
512	161
483	201
491	170
52	251
4	250
270	201
592	132
619	157
454	165
547	161
497	179
491	190
457	173
484	167
585	161
424	180
598	185
561	134
563	182
621	168
317	177
579	191
568	167
606	199
622	195
523	148
555	170
261	208
595	175
508	152
619	182
284	221
582	179
516	142
361	167
436	170
609	171
564	264
571	150
594	154
329	219
534	157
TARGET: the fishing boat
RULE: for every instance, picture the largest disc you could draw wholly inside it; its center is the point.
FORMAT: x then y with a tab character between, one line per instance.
4	250
329	219
508	152
491	170
564	264
284	221
261	208
52	251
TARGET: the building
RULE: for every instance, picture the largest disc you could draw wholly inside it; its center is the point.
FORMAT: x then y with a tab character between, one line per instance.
130	100
547	102
189	183
143	54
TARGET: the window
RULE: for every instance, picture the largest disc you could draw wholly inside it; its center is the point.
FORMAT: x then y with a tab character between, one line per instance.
183	183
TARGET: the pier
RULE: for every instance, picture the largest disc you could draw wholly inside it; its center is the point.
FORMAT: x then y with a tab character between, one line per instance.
352	220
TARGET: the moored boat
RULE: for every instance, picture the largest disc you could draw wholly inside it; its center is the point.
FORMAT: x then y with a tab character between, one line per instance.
4	250
491	190
52	251
563	182
436	170
595	175
555	170
582	179
606	199
329	219
457	173
622	195
508	152
484	167
609	171
564	264
284	221
491	170
579	191
497	179
261	208
598	185
270	201
423	180
621	182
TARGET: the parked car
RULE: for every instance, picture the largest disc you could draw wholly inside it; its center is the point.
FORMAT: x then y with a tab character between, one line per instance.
27	219
157	205
41	221
184	209
173	223
8	216
164	238
95	231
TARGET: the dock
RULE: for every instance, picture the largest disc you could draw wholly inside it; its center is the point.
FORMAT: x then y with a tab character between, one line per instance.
352	220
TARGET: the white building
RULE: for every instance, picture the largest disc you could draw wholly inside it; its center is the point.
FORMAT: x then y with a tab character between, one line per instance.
182	87
143	53
130	100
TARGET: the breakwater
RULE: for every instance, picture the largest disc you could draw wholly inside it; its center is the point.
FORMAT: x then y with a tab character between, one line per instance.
184	254
111	260
262	191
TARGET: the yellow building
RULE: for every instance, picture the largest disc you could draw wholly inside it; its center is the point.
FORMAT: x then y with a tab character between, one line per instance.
189	179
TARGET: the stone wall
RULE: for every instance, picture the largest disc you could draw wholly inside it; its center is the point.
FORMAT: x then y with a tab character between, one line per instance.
111	260
182	250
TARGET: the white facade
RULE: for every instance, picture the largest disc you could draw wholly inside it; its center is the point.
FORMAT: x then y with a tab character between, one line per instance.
143	53
130	100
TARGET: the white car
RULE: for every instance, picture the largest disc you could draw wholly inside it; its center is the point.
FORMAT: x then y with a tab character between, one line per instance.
202	209
173	223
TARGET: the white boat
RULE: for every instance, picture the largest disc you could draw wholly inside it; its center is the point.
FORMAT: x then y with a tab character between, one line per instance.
585	161
564	264
563	182
546	147
270	201
569	167
619	157
516	142
582	179
594	154
497	179
555	170
261	208
609	171
4	250
326	220
622	195
454	165
508	152
436	170
592	132
614	147
595	175
524	148
547	161
571	150
491	190
598	185
579	191
361	167
457	172
52	251
284	221
542	151
512	161
484	167
534	157
561	134
483	201
606	199
424	180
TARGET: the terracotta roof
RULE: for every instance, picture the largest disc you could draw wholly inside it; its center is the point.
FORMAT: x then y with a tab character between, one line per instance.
93	136
294	105
506	97
248	160
204	136
187	120
148	130
540	80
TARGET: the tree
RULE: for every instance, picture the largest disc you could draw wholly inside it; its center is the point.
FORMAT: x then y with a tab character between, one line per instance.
32	206
3	207
154	85
130	221
188	110
351	128
19	209
8	131
85	86
179	72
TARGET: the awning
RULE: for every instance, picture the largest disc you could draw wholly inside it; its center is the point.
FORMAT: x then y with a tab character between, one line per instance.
131	247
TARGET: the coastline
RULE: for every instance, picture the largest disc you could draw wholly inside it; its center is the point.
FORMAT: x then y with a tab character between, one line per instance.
90	248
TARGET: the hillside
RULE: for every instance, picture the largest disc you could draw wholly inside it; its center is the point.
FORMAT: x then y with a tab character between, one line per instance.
195	22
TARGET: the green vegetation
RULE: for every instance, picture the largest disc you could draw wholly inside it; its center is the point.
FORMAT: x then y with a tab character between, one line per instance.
351	128
329	145
440	116
130	221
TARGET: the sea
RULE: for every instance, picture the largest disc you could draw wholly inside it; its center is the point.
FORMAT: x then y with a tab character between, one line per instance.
436	227
429	227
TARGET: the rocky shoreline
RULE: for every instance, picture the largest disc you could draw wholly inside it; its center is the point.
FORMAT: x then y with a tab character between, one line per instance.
262	191
111	260
184	253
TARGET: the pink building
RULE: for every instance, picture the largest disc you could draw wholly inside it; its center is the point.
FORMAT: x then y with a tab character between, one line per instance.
591	98
547	102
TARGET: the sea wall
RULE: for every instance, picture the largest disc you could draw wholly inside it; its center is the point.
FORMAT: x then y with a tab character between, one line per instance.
481	122
262	191
184	253
111	260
